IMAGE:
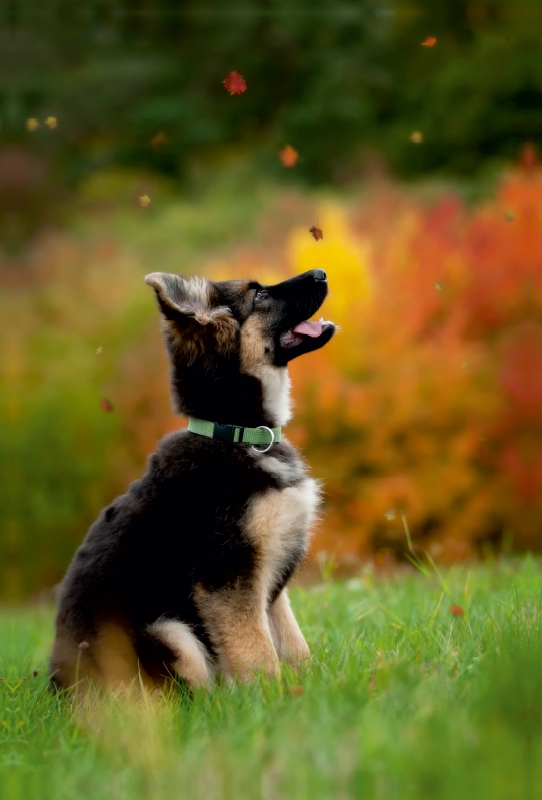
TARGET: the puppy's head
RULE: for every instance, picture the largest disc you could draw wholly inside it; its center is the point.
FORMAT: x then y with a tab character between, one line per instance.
230	342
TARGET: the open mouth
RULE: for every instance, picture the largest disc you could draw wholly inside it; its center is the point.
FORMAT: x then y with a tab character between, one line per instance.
303	331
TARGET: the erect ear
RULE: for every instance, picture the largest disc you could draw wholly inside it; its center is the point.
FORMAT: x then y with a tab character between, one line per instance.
179	296
197	328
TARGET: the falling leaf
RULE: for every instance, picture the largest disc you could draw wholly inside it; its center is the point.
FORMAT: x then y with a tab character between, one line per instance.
416	137
296	690
288	156
144	200
99	351
83	645
390	513
456	611
316	232
235	83
510	216
32	124
51	122
429	41
159	139
105	405
438	286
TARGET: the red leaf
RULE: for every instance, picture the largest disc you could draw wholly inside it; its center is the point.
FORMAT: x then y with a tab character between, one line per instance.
235	83
456	611
105	405
288	156
429	41
316	232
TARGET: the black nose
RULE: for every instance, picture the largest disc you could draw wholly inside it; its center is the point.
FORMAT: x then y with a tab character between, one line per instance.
319	275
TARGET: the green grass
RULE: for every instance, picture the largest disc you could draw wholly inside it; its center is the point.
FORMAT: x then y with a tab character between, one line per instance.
402	700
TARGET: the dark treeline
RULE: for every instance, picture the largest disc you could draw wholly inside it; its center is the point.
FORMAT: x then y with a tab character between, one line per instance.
333	79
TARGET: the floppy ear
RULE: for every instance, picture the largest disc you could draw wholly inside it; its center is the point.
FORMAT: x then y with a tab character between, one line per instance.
177	296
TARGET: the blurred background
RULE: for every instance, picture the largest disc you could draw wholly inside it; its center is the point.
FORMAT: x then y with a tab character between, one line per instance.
122	153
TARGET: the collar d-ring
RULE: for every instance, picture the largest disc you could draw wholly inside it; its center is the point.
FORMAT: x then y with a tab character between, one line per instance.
269	446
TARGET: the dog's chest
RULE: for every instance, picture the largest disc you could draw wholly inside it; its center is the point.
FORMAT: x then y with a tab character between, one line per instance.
277	524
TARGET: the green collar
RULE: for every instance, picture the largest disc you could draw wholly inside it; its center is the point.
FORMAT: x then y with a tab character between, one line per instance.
236	433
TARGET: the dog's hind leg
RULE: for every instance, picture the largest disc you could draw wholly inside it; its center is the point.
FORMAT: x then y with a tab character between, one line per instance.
106	660
289	642
191	657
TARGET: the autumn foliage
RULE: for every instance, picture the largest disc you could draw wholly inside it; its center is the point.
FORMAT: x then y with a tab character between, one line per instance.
427	403
429	400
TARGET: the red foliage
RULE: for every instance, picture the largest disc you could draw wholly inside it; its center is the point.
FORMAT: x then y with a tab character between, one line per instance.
431	401
429	41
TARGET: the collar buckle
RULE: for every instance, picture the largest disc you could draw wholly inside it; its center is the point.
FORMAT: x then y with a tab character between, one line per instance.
226	433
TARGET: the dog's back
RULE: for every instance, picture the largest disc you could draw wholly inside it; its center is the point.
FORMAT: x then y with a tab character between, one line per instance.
185	574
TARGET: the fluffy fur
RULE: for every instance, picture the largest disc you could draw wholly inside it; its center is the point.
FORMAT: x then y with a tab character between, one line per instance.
185	575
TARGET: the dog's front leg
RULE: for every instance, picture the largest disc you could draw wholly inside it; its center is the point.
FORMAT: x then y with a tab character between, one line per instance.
237	624
289	642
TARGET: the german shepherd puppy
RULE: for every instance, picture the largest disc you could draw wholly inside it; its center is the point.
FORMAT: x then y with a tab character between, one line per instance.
185	575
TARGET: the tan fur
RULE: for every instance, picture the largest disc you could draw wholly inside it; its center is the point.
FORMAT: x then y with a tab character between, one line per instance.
116	659
109	661
191	662
281	470
237	621
275	381
225	326
197	290
237	624
187	294
71	665
216	330
289	642
275	521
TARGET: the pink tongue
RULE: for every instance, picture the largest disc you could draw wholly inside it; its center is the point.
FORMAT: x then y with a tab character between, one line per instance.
312	329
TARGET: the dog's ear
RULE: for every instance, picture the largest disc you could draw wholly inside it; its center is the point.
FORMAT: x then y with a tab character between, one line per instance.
179	297
196	328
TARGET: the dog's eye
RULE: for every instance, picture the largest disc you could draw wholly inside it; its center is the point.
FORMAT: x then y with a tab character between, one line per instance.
261	294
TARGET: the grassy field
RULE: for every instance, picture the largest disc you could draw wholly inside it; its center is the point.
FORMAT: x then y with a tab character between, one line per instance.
402	700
